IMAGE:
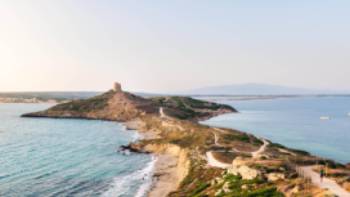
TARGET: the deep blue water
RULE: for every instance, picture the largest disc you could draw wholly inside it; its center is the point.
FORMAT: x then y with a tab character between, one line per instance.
295	122
52	157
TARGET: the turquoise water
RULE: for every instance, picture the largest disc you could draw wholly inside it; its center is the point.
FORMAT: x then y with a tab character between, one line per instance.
295	122
52	157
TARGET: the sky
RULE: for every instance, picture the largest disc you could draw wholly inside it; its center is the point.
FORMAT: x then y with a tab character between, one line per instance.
167	46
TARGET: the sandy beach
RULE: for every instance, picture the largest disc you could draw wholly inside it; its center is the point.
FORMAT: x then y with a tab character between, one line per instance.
170	166
165	179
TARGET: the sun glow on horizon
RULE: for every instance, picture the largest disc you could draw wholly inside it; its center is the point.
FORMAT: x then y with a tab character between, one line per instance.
172	46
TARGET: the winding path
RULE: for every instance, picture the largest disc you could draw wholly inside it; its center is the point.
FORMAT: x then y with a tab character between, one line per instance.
161	112
216	163
262	148
327	183
306	171
254	154
216	140
212	161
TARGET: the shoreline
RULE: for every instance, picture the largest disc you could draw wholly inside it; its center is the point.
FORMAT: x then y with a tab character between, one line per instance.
180	140
165	179
165	176
165	182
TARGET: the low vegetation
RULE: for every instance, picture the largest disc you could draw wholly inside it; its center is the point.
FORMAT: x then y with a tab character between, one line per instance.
92	104
187	108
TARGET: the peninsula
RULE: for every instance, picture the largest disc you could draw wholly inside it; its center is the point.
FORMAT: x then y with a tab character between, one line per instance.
199	160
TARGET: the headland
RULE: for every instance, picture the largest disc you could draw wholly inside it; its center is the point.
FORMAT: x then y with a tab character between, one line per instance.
199	160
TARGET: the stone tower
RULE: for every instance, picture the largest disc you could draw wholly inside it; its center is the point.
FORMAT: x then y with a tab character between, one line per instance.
117	87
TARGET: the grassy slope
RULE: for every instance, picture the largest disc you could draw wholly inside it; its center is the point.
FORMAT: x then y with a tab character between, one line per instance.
187	108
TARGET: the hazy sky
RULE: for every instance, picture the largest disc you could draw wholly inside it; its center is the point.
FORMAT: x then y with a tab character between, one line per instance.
173	45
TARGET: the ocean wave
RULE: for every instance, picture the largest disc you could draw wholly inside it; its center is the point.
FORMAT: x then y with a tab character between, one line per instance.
135	136
139	181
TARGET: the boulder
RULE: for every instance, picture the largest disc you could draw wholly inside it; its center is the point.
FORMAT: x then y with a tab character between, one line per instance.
240	167
248	173
244	171
226	187
275	177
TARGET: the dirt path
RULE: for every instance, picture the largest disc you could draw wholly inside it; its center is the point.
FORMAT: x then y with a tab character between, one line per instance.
262	148
216	163
161	112
307	170
216	140
329	184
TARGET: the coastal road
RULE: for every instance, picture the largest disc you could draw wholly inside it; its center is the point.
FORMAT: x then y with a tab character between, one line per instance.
329	184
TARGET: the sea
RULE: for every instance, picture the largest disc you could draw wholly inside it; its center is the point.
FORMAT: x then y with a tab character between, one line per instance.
317	124
62	157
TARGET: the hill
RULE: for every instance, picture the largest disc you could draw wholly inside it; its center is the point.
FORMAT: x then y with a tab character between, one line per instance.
124	106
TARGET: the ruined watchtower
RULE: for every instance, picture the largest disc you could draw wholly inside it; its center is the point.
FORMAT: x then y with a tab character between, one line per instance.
117	87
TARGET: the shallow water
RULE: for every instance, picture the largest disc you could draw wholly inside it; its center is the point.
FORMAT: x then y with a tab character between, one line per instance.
295	122
55	157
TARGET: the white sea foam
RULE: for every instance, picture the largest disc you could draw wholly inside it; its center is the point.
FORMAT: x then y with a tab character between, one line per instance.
136	135
139	181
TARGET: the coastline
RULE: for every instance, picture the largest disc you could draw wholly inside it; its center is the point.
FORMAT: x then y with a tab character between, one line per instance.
171	162
179	145
165	178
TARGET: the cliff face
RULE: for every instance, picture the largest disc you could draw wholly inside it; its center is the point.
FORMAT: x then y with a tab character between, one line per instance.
124	106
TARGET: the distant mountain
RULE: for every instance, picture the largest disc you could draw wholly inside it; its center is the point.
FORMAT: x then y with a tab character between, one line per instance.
256	89
58	96
44	96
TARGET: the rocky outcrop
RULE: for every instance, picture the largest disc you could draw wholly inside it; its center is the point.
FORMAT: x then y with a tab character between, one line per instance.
240	167
275	177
